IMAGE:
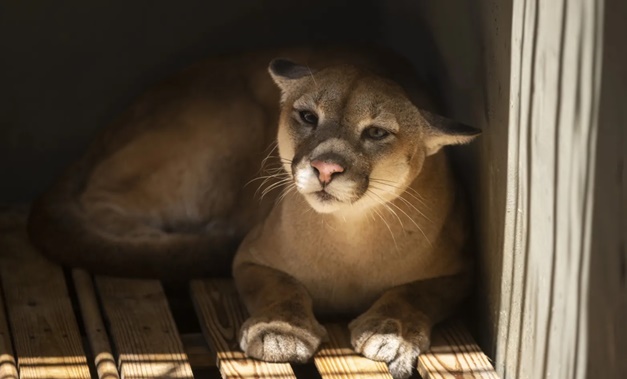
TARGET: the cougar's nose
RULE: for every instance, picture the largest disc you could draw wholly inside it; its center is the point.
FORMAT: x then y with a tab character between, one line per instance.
326	169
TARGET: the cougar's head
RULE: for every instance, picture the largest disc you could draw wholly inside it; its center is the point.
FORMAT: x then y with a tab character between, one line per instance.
351	139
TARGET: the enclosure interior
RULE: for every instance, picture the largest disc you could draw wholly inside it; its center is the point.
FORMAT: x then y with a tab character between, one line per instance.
67	69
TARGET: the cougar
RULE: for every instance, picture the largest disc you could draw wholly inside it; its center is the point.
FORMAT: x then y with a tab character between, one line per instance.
354	212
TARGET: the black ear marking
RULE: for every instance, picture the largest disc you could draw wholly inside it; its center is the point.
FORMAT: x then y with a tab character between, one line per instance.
450	127
284	68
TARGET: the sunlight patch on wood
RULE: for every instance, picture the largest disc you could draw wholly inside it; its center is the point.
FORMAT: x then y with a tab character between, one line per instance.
337	359
8	368
61	367
450	363
159	365
235	364
345	363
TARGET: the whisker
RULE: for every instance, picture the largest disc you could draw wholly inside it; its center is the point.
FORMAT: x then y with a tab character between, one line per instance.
278	175
393	184
285	160
410	219
385	204
274	186
408	203
276	171
384	222
417	196
410	191
272	147
286	191
371	215
270	187
312	76
414	222
273	172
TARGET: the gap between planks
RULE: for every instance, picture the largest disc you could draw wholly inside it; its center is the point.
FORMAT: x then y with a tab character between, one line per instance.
94	326
8	366
221	315
142	329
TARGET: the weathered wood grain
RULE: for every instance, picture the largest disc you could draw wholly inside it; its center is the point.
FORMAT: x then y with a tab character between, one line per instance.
8	366
45	333
337	359
454	355
94	326
142	329
554	98
221	314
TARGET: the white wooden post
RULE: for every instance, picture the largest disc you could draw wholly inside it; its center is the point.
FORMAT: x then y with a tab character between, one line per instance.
565	223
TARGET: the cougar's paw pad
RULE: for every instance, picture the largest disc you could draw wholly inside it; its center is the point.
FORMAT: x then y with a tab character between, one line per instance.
280	341
389	340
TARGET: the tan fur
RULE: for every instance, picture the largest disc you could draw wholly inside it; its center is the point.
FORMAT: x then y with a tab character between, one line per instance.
163	193
394	253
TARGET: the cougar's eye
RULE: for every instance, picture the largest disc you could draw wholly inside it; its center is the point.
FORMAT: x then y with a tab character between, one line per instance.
308	117
375	133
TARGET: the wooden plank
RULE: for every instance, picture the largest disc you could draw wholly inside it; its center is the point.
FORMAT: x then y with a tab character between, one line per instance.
8	366
541	237
46	336
337	359
10	220
553	127
94	326
454	355
142	329
516	220
221	314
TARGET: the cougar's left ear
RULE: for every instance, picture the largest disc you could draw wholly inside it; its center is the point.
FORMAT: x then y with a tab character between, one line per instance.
286	74
441	131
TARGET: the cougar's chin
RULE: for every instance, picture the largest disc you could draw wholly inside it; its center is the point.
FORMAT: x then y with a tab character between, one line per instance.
324	202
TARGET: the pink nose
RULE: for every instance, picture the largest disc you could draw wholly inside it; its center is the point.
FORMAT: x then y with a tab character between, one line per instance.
326	170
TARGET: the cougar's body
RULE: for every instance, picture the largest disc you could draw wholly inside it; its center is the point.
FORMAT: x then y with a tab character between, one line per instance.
360	213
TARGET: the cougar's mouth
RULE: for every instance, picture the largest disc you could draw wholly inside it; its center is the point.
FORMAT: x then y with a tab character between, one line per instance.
323	195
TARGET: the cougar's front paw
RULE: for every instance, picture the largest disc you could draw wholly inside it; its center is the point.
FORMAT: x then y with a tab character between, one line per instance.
280	341
390	340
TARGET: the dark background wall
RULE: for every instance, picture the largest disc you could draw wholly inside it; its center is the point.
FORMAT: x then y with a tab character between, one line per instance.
68	67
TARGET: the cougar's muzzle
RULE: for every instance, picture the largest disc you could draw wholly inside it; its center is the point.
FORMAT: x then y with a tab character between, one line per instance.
330	171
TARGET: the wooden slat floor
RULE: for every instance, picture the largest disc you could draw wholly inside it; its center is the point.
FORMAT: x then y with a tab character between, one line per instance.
61	324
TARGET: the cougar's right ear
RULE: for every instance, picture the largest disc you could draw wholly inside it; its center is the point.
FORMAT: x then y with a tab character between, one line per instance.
441	131
286	74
